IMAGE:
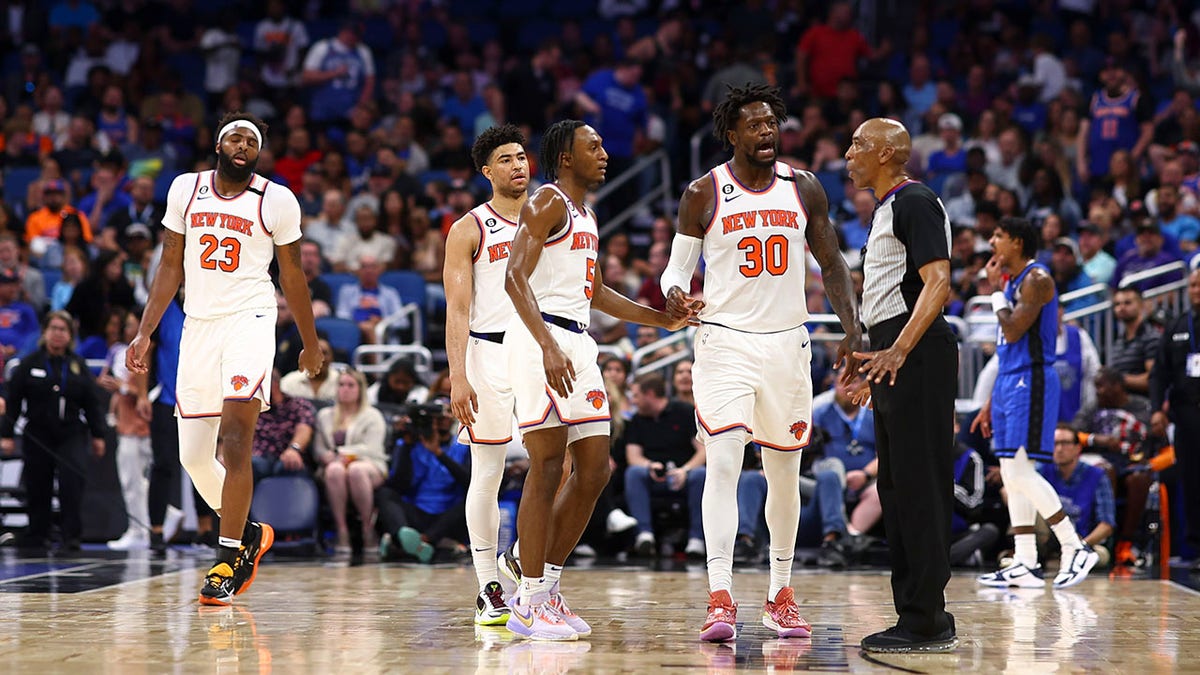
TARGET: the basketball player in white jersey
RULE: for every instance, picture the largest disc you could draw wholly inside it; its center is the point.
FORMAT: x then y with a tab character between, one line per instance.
751	217
477	314
554	282
223	228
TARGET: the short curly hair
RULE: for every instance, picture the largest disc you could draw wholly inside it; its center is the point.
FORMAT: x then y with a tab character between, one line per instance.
726	113
492	138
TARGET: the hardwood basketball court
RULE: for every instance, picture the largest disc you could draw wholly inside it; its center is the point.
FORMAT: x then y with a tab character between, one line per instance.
111	613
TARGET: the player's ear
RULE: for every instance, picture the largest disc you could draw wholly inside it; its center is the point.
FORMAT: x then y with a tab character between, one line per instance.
486	171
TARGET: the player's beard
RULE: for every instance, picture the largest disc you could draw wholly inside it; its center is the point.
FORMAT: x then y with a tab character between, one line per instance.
763	163
233	172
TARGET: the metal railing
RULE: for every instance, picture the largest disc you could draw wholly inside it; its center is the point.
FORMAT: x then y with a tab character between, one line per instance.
411	315
422	359
696	143
638	364
658	159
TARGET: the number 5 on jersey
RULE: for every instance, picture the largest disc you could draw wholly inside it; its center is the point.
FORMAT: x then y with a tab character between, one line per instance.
770	256
590	278
230	256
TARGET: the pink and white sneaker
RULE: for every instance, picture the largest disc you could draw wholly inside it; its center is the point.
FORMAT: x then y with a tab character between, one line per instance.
721	623
559	604
538	620
783	615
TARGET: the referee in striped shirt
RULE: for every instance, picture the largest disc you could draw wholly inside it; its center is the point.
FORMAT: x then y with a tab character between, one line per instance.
912	376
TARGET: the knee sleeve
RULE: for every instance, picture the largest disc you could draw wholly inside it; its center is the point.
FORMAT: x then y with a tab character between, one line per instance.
198	455
1020	476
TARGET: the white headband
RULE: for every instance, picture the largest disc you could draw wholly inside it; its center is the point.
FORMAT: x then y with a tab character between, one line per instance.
240	124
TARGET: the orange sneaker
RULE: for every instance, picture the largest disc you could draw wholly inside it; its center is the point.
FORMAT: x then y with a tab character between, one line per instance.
783	615
1124	555
721	622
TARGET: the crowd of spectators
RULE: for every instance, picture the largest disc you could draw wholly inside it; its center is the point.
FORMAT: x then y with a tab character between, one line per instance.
1081	116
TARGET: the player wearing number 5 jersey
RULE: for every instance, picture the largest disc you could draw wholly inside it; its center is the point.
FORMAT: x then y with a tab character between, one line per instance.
751	217
554	282
223	228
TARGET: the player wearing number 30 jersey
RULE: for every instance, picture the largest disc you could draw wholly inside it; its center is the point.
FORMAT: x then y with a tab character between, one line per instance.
752	218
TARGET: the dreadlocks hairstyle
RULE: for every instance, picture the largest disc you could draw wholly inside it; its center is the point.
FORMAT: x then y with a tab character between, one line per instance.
494	137
238	115
557	141
725	115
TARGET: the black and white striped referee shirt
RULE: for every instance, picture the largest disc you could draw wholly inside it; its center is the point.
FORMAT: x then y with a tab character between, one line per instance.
908	230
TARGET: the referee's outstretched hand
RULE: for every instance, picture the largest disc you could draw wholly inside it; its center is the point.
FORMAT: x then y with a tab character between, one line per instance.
885	362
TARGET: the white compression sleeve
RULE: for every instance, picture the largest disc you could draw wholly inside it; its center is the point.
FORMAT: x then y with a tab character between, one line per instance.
483	513
198	454
685	255
719	504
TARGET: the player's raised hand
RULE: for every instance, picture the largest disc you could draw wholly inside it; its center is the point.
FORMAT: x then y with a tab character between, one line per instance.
463	402
135	355
560	374
311	361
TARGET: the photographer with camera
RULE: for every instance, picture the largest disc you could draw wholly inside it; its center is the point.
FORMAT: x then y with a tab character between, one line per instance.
350	438
423	501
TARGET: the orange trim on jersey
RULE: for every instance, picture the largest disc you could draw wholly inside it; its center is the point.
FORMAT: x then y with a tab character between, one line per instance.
585	420
566	233
484	441
712	175
781	448
197	416
195	191
262	222
774	179
488	206
799	198
545	416
479	246
713	432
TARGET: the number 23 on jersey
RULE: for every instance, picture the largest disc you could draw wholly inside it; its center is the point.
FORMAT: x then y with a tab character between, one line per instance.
224	254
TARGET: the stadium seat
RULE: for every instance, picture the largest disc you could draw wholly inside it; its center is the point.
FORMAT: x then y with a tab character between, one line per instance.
343	334
289	503
16	184
835	189
51	277
336	280
410	285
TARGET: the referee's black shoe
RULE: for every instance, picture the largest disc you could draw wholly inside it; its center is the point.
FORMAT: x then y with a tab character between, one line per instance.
897	640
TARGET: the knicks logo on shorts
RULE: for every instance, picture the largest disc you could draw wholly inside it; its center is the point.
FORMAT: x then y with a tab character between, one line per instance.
239	382
798	428
596	398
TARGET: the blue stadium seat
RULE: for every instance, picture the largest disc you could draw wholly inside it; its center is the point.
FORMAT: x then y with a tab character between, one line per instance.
835	189
344	335
162	185
410	285
336	280
16	184
51	277
289	503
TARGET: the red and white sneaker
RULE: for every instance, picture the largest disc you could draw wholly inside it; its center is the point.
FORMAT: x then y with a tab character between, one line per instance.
537	620
783	615
559	604
721	622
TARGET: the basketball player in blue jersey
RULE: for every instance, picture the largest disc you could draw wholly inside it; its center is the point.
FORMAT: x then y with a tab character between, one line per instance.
1022	412
1119	118
554	282
222	229
752	217
478	312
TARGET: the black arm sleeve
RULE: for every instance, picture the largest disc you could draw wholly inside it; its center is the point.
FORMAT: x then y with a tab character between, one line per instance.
920	223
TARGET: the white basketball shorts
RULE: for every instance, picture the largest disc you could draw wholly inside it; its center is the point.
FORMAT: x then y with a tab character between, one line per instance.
225	359
585	411
487	371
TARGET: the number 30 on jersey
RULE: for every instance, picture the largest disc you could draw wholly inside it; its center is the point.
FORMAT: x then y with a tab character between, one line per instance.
768	255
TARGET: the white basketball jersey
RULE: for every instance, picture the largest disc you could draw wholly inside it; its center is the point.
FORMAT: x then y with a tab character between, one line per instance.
491	308
562	280
229	242
754	254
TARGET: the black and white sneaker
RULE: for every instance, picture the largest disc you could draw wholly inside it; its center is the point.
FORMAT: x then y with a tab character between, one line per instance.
1075	569
1016	575
490	608
510	571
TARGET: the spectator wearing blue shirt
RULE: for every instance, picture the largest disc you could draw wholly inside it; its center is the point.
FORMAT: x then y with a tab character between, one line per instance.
856	229
1097	262
107	197
920	92
952	158
1148	255
73	14
1028	112
1184	228
1069	276
367	302
342	72
1085	490
616	107
424	499
465	105
18	321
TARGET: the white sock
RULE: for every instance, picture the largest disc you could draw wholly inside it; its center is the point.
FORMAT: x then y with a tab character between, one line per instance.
198	455
553	574
782	512
531	588
719	504
1068	538
483	513
1026	549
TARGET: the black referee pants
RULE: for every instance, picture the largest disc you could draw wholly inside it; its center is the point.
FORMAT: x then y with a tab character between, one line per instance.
1187	456
914	439
164	473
